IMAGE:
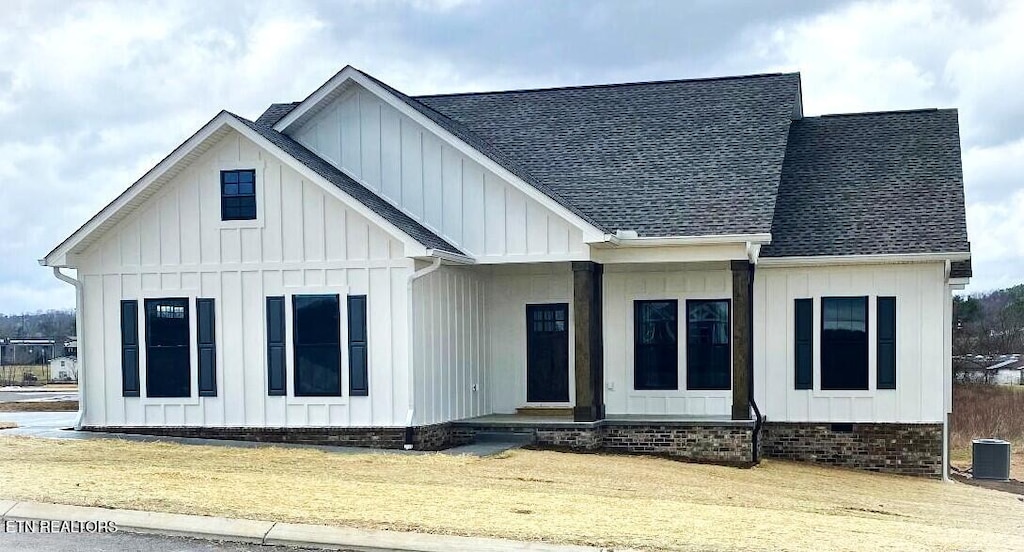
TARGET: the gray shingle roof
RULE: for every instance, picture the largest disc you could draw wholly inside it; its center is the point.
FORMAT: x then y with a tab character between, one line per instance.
873	183
673	158
360	193
706	156
961	269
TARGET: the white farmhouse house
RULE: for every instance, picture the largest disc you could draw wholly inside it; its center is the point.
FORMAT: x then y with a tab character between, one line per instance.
685	267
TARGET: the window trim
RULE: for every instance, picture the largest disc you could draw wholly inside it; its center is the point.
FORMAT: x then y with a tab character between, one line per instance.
869	367
261	191
190	350
680	347
293	333
686	354
223	195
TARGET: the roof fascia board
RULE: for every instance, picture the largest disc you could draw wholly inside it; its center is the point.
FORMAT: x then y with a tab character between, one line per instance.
59	257
821	260
591	233
671	241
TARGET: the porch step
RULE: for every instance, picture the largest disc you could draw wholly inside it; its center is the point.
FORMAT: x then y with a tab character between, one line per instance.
544	411
517	437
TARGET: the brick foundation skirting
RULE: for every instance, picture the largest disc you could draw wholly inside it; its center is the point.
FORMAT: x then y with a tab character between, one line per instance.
431	437
910	449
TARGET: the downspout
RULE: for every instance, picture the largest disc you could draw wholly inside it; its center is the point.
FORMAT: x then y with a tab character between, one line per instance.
436	264
79	301
758	418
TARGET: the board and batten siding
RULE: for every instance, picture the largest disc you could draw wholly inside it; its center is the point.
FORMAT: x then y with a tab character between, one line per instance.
510	289
920	321
450	345
435	184
624	284
305	240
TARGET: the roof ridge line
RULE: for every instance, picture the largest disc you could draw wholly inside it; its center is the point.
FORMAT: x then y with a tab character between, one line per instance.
606	85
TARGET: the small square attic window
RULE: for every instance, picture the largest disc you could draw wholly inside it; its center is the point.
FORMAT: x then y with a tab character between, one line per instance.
238	195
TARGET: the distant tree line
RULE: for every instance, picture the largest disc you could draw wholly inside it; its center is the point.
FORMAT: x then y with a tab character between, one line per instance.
51	324
989	323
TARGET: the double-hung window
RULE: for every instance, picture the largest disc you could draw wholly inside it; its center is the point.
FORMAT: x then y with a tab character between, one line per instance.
708	351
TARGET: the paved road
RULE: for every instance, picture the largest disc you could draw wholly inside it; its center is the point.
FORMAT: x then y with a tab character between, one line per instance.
11	396
120	542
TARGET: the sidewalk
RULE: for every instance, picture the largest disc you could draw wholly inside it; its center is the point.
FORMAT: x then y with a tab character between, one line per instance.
270	532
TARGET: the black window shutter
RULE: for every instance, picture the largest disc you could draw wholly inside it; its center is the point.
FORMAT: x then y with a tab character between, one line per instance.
886	343
207	347
130	348
275	347
804	331
358	382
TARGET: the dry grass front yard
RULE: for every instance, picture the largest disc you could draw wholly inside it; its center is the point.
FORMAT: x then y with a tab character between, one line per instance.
39	406
641	502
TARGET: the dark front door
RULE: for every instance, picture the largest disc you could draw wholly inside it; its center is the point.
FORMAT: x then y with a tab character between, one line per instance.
547	353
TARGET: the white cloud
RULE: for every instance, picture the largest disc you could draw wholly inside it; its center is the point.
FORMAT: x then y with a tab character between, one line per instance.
94	94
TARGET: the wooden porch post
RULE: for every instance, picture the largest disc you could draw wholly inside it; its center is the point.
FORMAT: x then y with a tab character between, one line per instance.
589	353
742	339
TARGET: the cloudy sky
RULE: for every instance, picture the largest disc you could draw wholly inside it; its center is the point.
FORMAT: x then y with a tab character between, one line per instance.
93	94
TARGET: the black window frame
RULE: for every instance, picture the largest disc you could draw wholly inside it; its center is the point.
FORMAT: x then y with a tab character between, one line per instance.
827	342
237	205
300	346
672	382
154	346
691	360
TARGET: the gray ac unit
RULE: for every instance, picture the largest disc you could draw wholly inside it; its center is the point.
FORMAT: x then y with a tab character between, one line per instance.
990	459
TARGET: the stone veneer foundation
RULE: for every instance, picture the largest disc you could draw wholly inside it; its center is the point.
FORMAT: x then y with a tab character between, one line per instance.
910	449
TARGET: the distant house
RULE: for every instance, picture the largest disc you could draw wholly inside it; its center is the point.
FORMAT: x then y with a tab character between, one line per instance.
64	368
26	350
688	267
992	369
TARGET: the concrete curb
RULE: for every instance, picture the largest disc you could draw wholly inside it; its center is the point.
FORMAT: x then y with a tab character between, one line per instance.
269	532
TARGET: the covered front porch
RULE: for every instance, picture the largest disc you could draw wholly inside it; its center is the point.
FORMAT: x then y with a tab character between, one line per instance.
563	337
715	439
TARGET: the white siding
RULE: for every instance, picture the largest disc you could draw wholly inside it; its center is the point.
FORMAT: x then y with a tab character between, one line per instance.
304	241
920	319
437	185
450	345
509	290
624	284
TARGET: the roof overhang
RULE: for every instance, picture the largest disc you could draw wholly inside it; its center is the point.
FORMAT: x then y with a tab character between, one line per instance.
822	260
66	254
340	83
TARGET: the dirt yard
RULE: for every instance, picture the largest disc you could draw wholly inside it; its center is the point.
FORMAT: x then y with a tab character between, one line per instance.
39	406
612	501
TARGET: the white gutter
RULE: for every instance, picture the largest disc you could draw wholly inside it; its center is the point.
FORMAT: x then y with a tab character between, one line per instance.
447	256
865	259
412	380
79	301
624	239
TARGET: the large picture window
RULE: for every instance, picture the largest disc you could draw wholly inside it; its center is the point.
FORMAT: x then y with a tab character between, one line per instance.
844	343
167	348
656	350
707	345
317	339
